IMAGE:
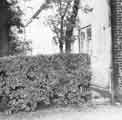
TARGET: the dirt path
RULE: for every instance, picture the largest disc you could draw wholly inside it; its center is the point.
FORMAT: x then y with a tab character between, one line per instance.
105	112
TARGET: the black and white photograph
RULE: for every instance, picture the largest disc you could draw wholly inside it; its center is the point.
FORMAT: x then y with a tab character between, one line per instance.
60	59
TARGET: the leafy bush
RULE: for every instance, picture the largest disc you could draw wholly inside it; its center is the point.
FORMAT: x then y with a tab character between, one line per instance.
26	82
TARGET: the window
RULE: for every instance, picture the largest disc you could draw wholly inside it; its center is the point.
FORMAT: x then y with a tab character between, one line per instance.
89	34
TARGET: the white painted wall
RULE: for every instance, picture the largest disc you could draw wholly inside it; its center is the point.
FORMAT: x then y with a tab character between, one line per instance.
101	41
101	46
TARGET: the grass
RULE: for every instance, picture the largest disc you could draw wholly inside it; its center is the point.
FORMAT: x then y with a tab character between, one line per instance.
68	113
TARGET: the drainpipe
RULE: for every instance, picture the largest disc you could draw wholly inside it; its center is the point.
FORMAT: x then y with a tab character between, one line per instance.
112	63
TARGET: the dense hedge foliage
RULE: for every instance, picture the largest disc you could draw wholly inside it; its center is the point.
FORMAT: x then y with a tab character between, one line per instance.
27	82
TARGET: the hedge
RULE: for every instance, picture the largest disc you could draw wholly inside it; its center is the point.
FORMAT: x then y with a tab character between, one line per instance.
29	81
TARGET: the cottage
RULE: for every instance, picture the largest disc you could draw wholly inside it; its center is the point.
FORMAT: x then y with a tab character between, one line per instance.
95	39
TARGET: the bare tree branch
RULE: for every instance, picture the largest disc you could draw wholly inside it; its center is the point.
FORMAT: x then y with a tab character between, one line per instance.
45	5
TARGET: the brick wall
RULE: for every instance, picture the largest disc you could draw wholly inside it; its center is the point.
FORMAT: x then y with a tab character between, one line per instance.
116	23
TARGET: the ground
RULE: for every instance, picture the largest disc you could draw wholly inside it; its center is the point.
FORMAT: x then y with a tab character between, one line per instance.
97	112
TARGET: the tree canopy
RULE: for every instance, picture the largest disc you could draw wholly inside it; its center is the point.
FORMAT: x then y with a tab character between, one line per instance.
11	28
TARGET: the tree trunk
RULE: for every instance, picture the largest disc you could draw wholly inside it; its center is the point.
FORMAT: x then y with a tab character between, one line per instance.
4	13
61	35
70	27
3	42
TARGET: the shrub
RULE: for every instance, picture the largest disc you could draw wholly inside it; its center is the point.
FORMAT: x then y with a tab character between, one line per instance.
26	82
